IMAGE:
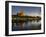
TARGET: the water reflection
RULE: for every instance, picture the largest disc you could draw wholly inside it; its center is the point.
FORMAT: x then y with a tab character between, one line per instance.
28	25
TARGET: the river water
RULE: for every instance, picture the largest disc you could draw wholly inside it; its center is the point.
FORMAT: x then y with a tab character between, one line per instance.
34	25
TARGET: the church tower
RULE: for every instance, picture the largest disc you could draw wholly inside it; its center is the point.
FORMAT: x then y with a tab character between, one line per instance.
21	12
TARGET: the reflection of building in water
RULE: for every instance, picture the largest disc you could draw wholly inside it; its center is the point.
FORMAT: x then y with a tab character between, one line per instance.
21	13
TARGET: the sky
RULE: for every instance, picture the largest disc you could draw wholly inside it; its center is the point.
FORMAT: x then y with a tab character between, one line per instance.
30	11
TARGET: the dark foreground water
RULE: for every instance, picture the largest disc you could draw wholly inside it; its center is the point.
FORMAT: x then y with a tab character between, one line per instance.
27	26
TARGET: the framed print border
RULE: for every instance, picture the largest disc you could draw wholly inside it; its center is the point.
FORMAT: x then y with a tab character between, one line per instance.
7	17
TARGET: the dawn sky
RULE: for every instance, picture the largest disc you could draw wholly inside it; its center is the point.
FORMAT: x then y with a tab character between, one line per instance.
30	11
